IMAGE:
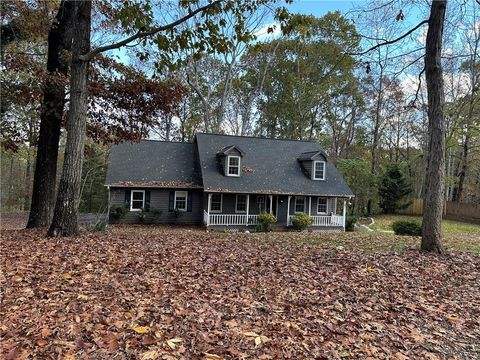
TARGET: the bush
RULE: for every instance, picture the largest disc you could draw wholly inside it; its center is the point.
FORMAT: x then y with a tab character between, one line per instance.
350	221
265	221
301	221
98	226
142	215
118	212
404	227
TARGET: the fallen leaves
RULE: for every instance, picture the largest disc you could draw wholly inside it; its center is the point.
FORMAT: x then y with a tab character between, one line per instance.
141	329
169	293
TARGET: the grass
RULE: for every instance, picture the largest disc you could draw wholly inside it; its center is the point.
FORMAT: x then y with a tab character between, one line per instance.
457	235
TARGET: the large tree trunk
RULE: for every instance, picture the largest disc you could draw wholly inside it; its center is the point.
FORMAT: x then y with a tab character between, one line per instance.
45	176
433	202
65	217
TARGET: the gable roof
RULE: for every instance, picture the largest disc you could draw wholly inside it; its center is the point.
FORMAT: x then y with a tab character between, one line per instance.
270	166
151	163
311	155
229	149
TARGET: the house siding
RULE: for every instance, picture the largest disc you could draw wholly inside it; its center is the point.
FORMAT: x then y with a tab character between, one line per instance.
159	201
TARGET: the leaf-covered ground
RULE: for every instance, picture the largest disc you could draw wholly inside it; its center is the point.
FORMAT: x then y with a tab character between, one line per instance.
161	292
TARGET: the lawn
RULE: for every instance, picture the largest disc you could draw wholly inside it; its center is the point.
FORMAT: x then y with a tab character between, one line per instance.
449	227
170	293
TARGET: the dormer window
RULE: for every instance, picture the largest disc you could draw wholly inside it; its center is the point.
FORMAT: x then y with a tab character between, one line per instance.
233	165
318	170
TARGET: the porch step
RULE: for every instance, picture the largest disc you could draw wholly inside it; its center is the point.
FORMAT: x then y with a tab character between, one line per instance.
279	228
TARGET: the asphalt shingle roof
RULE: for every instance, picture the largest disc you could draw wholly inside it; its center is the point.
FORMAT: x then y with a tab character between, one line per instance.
269	166
150	163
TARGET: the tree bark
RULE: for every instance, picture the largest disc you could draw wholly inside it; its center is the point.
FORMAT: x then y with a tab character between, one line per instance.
65	217
433	202
45	175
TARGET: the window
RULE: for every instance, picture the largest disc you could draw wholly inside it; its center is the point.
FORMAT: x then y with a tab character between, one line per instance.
137	200
216	203
319	170
233	165
299	204
241	206
180	200
322	207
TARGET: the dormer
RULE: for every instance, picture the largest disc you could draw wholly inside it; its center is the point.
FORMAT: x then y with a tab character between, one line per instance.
314	164
230	159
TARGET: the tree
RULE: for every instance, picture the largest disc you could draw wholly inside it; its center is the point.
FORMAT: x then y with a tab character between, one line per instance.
393	189
45	176
363	183
434	188
137	19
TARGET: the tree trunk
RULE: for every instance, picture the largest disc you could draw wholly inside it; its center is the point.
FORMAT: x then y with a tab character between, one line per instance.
65	217
433	202
45	175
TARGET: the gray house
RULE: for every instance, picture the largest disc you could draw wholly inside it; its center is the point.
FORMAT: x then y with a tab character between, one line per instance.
226	181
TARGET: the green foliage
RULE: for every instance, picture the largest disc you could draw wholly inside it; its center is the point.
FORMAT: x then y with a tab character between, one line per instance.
94	196
405	227
301	221
265	221
360	179
178	213
393	189
350	221
297	77
142	215
98	226
118	212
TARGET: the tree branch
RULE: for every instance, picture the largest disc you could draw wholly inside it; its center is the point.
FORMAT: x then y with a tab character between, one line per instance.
412	103
391	41
150	32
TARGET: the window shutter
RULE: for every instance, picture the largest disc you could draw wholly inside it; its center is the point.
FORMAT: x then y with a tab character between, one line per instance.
128	194
189	201
171	200
147	200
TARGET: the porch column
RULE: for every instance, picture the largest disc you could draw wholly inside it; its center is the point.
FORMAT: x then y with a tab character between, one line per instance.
271	203
248	207
309	205
288	208
344	213
208	208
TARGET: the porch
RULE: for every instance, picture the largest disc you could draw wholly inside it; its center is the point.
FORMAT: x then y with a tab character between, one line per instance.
242	210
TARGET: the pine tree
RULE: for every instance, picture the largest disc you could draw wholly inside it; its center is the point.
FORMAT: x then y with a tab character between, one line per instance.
394	187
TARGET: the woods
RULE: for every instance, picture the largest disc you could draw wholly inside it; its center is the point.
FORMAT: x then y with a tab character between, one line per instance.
332	79
341	220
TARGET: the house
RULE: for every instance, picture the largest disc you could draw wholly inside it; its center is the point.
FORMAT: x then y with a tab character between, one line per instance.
226	181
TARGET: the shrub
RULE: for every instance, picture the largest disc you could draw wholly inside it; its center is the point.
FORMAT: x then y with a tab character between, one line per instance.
98	226
265	221
301	221
118	212
178	213
350	221
142	215
405	227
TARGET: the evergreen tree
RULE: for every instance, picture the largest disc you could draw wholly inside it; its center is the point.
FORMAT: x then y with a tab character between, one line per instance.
393	188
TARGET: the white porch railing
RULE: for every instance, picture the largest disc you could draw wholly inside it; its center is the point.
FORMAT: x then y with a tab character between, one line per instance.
229	219
323	220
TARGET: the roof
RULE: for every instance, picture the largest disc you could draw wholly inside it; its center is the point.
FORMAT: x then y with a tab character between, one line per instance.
151	163
311	155
269	166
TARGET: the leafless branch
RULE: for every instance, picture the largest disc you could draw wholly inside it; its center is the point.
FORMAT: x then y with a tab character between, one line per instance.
392	41
412	103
